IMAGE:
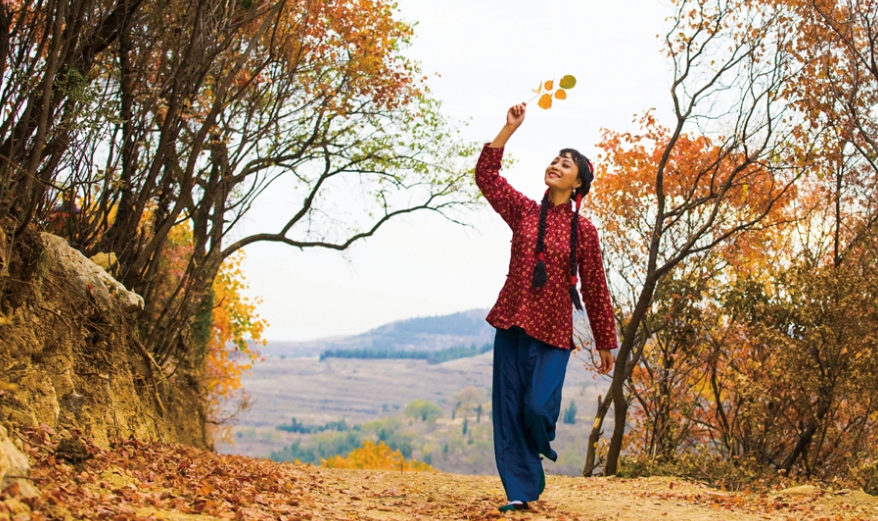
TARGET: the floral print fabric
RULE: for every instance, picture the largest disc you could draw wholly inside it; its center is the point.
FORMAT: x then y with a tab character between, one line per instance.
545	313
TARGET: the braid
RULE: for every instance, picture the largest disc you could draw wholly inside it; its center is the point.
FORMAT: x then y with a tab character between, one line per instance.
586	176
574	239
540	277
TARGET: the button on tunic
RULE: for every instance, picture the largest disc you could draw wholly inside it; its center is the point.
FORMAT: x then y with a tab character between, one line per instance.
545	313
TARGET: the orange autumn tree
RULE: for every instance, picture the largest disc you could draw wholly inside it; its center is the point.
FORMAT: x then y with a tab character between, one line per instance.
148	130
227	328
761	354
776	369
777	364
236	331
145	114
376	457
795	365
668	204
716	171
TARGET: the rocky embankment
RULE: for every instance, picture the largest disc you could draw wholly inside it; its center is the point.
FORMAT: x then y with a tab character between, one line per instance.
70	361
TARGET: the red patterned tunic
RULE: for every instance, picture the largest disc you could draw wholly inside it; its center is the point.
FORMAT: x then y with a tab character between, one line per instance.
545	313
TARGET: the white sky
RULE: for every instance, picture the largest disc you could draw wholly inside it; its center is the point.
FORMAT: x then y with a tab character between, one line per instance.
490	53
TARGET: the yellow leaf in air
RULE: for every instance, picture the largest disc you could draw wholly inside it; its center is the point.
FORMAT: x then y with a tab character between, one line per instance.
550	84
561	94
545	101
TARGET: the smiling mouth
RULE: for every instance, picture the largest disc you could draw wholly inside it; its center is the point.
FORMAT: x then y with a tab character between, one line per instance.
554	174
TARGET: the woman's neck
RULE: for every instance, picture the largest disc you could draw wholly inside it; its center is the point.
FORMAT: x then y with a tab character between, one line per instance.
559	197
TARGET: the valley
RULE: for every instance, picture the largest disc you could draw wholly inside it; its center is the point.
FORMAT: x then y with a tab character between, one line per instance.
359	391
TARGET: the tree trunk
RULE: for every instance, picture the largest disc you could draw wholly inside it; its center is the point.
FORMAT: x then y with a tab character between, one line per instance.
623	370
620	418
596	431
806	436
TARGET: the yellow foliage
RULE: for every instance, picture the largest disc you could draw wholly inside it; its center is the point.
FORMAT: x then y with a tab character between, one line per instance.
376	457
234	323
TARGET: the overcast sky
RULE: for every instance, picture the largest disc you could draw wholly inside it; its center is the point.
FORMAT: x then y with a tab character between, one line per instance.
489	55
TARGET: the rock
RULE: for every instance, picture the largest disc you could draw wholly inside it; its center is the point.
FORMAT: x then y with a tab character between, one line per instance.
73	402
73	451
14	466
869	477
801	490
90	279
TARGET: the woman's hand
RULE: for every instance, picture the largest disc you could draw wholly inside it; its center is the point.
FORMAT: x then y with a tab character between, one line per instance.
515	115
606	361
514	119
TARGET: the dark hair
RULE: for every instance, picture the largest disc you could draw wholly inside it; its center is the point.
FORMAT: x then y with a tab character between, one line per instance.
586	176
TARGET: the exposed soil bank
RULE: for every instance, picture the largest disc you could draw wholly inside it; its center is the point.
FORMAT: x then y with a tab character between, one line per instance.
70	359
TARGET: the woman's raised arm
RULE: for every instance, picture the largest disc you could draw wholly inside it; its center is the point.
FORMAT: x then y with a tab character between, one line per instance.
514	119
507	201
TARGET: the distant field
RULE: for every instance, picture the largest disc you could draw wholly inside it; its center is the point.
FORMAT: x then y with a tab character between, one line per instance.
316	392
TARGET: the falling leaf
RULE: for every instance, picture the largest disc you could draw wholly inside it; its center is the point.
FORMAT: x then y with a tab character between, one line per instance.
545	101
561	94
539	88
549	85
567	82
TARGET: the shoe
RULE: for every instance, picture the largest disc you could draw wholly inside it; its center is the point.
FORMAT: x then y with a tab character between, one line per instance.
513	506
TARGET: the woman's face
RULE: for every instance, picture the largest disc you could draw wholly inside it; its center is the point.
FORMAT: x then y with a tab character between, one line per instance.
563	174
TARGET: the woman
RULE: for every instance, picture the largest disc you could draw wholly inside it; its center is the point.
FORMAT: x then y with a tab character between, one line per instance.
534	312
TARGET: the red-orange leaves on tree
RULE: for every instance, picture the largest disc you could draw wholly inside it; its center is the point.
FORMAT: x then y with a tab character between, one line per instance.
705	189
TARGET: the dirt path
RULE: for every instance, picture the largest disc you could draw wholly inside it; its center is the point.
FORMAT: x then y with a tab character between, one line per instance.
392	495
160	482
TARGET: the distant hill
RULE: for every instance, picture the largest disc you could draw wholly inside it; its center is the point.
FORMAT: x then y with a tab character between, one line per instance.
465	328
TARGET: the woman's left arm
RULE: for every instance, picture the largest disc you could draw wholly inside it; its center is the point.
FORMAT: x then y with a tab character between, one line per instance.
595	292
596	295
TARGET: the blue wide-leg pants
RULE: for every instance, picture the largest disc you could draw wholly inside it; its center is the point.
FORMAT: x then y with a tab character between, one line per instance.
526	403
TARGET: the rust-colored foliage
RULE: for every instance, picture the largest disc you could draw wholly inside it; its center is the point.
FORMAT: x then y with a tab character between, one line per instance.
687	198
152	481
759	350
